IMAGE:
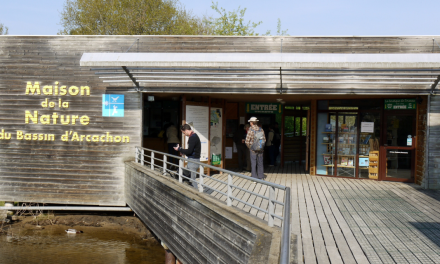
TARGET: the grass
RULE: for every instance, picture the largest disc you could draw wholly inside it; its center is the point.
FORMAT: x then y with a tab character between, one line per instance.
2	203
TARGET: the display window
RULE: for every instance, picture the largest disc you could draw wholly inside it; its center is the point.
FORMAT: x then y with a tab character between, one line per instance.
347	136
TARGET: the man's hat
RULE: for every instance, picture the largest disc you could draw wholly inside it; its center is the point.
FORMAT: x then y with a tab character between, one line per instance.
253	119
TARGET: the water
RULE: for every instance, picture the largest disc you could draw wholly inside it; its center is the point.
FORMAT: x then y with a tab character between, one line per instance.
96	245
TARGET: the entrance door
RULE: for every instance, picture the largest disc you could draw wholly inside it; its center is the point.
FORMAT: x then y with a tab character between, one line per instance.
398	152
295	135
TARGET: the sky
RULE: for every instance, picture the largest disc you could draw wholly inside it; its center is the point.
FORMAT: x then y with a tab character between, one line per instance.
300	18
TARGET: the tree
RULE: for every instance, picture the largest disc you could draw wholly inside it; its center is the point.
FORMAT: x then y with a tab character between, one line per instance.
281	32
3	29
128	17
230	23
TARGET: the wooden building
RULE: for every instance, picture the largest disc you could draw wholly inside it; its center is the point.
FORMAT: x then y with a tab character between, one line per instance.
337	100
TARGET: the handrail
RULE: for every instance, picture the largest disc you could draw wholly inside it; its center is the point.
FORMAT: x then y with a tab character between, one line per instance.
149	160
219	169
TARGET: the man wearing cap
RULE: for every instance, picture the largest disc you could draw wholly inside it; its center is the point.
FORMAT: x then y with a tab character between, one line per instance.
256	156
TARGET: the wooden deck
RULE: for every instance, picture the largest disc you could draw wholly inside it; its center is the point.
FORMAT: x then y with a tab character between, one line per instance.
340	220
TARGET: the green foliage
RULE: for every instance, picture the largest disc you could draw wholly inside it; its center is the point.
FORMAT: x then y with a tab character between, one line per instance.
3	29
280	32
230	23
2	203
128	17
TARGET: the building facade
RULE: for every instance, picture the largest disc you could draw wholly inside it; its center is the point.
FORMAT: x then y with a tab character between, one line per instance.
74	107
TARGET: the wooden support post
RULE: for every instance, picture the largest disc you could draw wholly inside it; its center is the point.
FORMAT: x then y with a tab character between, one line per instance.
224	134
209	136
142	157
169	257
281	130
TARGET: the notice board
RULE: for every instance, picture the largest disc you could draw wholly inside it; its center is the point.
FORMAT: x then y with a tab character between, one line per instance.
198	118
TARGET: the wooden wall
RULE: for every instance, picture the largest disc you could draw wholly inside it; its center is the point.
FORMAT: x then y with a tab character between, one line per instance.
64	172
312	135
433	175
420	170
196	228
92	172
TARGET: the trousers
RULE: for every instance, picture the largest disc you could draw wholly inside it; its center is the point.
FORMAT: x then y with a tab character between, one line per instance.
257	166
194	168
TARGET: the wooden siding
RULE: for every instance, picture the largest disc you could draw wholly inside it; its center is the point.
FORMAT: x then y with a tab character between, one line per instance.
313	137
92	173
433	181
58	171
197	228
421	141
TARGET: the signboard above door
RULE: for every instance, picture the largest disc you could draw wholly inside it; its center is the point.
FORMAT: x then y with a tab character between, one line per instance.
263	108
400	104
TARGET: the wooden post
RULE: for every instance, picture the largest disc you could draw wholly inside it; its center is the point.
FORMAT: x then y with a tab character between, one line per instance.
183	119
169	257
209	136
281	129
224	134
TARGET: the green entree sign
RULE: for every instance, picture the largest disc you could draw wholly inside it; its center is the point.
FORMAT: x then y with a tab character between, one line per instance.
400	104
263	108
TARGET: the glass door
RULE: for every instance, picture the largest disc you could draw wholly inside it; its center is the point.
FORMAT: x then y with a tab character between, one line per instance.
295	135
398	152
346	144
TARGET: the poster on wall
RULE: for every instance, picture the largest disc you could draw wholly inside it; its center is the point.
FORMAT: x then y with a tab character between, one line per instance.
198	118
367	127
216	135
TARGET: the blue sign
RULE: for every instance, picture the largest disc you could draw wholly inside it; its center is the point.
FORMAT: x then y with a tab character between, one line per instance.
113	105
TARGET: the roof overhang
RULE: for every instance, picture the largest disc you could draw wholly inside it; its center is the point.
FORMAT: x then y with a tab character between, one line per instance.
262	60
269	72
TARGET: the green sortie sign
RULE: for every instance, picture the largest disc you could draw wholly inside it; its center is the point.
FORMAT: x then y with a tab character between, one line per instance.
400	104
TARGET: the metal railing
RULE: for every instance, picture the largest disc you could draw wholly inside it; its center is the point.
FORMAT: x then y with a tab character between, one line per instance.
152	160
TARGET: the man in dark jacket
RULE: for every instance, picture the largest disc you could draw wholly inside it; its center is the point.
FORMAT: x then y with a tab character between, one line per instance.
192	152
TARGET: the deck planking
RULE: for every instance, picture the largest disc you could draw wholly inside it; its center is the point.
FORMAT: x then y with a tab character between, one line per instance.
341	220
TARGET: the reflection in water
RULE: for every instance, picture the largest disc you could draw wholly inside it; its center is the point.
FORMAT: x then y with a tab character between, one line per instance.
54	245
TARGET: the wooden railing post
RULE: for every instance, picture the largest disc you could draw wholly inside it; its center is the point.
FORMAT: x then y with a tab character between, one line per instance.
142	157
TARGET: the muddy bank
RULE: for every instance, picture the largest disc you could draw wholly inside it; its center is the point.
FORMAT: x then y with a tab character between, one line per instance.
125	224
105	239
